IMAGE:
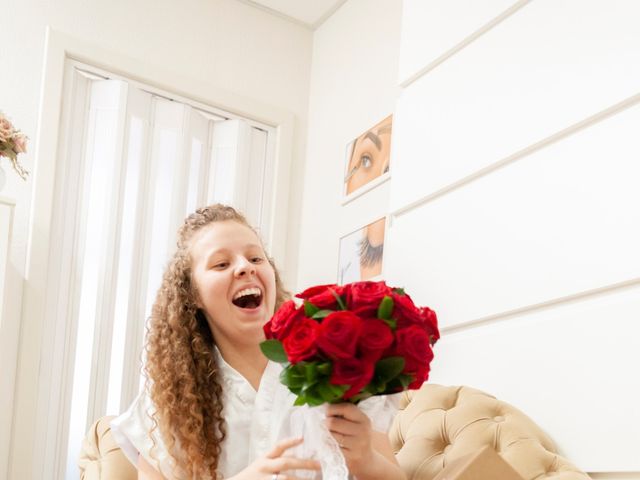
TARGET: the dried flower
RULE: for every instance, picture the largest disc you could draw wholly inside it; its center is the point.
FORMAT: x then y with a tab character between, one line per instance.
12	143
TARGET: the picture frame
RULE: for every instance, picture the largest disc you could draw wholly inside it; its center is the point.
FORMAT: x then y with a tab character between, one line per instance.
361	253
367	160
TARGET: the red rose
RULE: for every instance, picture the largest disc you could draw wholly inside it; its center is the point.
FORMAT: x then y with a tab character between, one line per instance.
430	322
375	338
338	334
281	322
353	372
413	344
300	344
405	311
421	375
313	291
323	297
365	297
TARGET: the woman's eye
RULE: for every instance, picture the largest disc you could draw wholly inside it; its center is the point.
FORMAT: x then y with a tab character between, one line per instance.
256	259
366	161
221	265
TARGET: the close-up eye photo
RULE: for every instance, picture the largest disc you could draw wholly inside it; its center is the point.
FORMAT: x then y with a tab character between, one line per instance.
368	156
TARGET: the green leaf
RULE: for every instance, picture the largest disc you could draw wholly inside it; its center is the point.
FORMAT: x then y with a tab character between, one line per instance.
311	372
315	400
309	388
338	390
392	322
388	368
405	379
291	378
320	314
401	382
311	395
399	291
301	400
310	309
339	300
273	350
385	308
359	397
324	368
326	393
298	368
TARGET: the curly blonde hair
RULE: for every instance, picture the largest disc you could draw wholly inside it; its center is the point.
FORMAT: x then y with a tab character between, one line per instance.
182	374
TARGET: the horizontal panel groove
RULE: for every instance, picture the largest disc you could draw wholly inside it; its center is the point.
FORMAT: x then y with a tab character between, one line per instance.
510	314
520	154
465	42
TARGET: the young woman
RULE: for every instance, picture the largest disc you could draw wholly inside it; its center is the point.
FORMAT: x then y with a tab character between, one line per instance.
213	405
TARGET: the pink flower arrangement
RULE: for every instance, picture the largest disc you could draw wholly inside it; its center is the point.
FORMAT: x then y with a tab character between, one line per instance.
12	143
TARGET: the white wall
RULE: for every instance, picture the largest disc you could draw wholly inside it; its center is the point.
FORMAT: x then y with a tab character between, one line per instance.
513	196
231	46
353	87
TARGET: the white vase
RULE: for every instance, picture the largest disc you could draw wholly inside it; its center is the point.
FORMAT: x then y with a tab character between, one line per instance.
3	178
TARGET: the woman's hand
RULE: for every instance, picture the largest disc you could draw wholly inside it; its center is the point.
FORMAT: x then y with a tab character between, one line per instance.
367	453
352	430
276	463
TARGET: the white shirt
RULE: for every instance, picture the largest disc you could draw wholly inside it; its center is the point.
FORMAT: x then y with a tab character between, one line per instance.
253	423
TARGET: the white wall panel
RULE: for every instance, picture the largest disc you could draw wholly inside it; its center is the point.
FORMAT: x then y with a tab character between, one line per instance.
571	368
551	64
561	221
432	28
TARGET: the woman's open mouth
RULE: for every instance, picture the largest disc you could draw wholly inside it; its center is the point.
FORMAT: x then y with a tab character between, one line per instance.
248	298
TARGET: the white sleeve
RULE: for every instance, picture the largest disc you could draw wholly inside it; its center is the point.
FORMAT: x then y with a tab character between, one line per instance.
136	434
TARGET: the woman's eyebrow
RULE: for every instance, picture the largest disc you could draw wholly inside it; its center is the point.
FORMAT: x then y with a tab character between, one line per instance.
219	251
374	138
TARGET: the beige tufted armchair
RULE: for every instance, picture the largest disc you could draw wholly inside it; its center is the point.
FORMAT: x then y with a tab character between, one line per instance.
435	426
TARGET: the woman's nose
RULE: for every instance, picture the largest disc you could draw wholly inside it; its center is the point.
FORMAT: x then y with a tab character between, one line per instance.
244	267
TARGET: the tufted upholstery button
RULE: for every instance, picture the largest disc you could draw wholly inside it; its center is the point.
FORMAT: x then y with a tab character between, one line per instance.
498	419
446	449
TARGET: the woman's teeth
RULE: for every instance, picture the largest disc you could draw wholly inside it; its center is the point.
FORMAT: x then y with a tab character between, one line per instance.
248	298
247	291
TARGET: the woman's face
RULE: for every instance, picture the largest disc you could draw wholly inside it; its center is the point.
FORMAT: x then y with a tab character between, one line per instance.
235	283
370	157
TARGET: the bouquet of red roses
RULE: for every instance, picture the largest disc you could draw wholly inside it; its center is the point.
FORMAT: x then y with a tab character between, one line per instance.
350	342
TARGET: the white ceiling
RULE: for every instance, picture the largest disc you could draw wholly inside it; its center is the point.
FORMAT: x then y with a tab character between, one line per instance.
310	13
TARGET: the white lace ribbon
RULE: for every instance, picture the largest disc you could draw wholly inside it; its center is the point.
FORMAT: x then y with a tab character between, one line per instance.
309	423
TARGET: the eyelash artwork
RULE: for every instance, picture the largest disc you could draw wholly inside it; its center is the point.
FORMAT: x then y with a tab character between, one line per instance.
370	255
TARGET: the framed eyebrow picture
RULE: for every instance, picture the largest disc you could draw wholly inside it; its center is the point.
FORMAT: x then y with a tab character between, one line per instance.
367	159
361	253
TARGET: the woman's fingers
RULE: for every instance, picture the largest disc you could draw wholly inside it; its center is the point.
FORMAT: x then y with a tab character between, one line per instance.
283	464
345	427
283	446
346	410
277	462
341	439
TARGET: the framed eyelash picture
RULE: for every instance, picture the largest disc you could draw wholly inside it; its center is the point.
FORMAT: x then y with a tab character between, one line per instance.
361	253
367	159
